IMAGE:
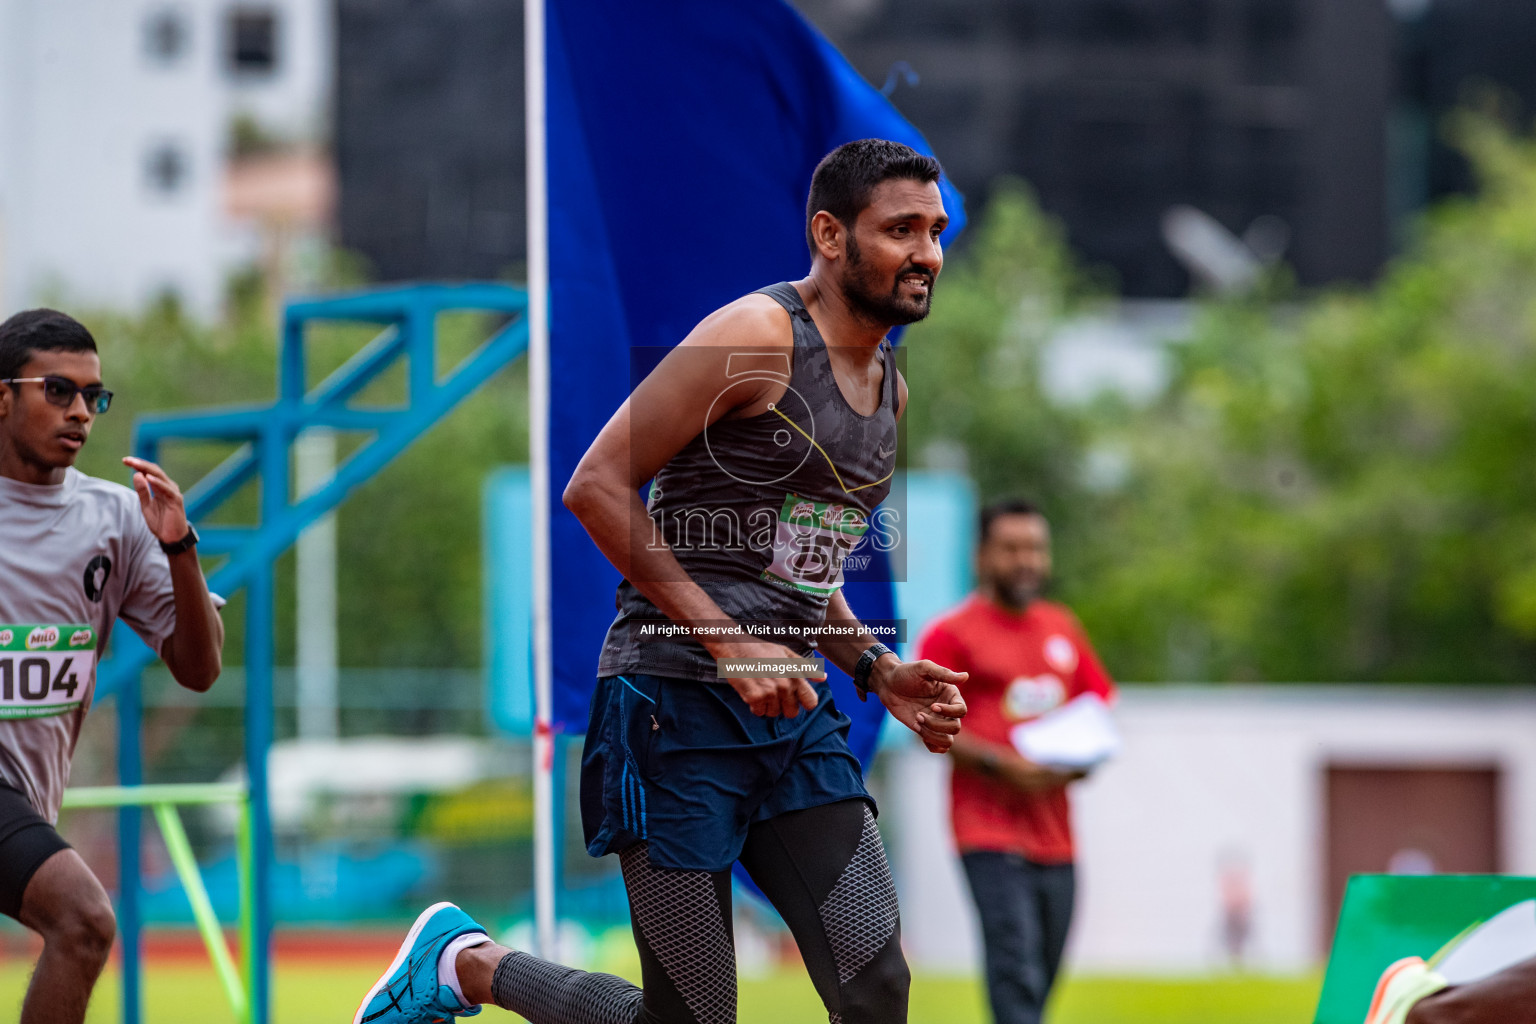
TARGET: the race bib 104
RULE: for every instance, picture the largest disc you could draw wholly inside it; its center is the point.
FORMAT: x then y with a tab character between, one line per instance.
44	670
810	542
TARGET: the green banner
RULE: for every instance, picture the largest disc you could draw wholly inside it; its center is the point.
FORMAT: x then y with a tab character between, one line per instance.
36	637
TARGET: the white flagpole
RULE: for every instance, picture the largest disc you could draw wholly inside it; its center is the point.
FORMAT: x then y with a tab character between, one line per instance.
538	456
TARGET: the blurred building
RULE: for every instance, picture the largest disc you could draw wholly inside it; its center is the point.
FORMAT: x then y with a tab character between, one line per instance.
1250	802
429	136
1454	53
1318	120
118	122
1302	128
1117	110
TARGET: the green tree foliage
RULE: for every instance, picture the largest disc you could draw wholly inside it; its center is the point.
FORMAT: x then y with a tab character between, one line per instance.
1343	490
974	363
1331	488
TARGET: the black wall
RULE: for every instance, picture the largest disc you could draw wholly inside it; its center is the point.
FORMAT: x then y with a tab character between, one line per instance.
429	136
1115	110
1459	52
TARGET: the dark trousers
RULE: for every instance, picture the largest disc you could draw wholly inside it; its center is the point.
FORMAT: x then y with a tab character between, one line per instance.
823	868
1025	909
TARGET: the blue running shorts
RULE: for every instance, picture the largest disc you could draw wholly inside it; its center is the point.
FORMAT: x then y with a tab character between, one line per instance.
686	767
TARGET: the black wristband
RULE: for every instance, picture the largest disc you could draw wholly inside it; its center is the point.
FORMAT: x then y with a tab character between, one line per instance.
189	541
866	664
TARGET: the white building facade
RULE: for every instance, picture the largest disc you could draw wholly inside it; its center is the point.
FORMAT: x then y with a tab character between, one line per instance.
116	120
1252	781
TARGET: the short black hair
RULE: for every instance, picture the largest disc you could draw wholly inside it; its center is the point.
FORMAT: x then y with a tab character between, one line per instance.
39	330
846	176
1003	507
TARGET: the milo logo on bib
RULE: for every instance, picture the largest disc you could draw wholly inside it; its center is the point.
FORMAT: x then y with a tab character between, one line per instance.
44	670
810	542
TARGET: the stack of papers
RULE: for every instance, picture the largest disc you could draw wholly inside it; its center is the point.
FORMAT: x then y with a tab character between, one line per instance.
1502	941
1077	736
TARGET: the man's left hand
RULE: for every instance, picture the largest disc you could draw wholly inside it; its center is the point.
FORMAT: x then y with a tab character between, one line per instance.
160	499
923	696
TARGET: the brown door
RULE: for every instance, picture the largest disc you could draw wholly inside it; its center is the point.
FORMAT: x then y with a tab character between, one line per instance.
1408	820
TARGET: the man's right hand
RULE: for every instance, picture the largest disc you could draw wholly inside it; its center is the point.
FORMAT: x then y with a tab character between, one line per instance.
770	696
1024	774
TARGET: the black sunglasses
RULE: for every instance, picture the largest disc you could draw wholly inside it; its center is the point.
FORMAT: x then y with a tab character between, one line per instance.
61	391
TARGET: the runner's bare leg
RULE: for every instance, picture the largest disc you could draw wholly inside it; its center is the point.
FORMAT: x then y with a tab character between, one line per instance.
66	905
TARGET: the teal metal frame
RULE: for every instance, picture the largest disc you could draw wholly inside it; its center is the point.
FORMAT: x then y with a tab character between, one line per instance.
408	316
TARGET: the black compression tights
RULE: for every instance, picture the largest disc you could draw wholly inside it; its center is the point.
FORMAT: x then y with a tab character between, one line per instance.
823	869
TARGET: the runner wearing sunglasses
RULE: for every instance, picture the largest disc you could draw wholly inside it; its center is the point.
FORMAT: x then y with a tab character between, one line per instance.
61	391
76	554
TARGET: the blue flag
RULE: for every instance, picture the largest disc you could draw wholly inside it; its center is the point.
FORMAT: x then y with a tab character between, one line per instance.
682	138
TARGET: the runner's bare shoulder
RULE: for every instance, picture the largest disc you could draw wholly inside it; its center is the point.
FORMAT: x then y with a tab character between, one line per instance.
746	346
750	322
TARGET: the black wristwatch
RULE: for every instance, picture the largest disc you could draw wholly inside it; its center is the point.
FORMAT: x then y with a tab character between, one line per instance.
866	664
189	541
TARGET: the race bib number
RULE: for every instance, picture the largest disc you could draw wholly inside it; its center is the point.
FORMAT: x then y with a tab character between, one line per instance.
44	670
810	542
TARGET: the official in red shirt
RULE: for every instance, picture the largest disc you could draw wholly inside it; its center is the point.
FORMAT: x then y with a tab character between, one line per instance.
1025	656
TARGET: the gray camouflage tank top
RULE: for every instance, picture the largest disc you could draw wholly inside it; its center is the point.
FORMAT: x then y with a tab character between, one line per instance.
762	512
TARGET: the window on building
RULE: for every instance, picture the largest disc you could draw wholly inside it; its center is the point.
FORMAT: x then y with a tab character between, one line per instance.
166	169
252	40
166	35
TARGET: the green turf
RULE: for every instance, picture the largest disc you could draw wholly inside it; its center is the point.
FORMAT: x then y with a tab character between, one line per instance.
321	994
1221	1000
1080	1000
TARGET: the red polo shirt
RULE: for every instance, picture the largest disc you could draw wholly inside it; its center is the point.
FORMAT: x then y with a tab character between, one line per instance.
1022	664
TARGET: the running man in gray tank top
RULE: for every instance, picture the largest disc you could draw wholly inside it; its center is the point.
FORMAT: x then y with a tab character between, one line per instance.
768	437
76	554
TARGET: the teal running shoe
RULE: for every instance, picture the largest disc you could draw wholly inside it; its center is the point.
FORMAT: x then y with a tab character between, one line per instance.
409	992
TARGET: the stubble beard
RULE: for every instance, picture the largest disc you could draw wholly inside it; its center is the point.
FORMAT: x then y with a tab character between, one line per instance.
1017	595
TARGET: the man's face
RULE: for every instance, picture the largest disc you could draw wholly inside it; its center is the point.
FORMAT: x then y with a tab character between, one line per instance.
1014	562
893	252
42	435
